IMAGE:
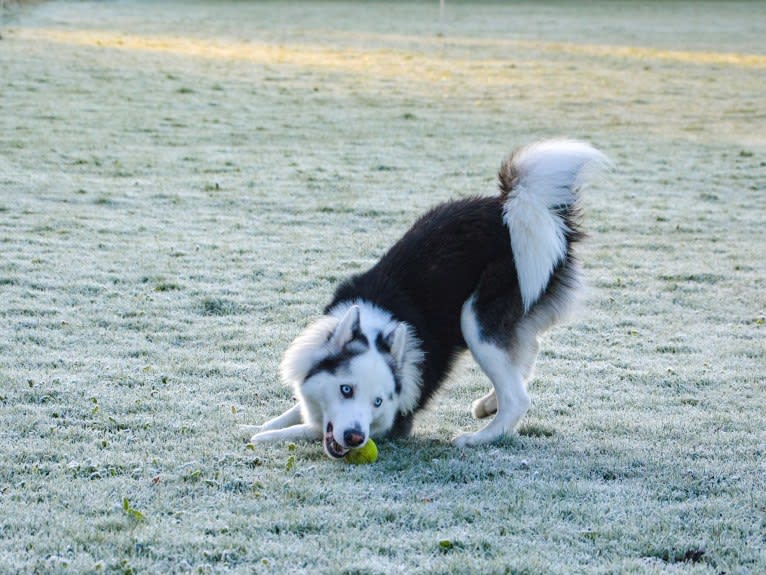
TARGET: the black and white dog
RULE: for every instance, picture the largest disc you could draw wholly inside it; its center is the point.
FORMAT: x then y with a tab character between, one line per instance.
484	273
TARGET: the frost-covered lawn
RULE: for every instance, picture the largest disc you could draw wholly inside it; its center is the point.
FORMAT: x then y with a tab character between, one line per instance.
182	184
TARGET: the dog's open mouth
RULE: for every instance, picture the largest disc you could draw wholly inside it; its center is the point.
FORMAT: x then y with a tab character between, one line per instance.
332	447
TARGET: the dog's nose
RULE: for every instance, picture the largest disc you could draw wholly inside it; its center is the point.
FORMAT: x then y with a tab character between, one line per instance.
353	437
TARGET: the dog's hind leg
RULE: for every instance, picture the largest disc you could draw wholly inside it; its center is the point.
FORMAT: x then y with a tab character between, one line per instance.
487	405
507	374
484	406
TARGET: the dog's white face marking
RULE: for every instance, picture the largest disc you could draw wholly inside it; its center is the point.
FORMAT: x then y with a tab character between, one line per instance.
355	402
353	371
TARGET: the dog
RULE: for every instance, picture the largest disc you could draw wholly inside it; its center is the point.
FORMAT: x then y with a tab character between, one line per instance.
489	274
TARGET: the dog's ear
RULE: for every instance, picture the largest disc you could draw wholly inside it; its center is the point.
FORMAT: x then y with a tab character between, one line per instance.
397	343
347	328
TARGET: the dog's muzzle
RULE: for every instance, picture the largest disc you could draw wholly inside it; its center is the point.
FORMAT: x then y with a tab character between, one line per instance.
332	447
353	437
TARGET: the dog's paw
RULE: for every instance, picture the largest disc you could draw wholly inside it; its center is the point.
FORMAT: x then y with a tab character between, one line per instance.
247	432
489	434
484	406
260	438
479	409
465	440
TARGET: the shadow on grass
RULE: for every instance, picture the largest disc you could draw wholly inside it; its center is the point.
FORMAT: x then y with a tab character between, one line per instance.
437	461
415	460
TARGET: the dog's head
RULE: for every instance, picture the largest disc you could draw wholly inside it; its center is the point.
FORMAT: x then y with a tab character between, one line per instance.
354	370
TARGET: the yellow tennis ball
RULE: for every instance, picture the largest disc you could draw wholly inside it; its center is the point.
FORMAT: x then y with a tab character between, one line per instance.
368	453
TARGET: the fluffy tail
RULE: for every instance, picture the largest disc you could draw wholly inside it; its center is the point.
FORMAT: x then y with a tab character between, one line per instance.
539	184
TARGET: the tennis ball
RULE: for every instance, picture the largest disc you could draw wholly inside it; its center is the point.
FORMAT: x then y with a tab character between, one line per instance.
368	453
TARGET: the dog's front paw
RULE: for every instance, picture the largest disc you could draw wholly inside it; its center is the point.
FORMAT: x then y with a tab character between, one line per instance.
247	432
260	438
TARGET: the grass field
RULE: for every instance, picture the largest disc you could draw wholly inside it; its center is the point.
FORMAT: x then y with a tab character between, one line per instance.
183	183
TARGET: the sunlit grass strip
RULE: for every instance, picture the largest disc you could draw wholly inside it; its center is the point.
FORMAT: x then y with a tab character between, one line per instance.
386	61
381	63
602	50
645	53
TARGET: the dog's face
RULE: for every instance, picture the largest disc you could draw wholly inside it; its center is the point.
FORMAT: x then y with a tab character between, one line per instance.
353	373
355	401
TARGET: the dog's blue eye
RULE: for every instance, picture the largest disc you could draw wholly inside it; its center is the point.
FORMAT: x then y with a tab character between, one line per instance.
347	391
378	401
